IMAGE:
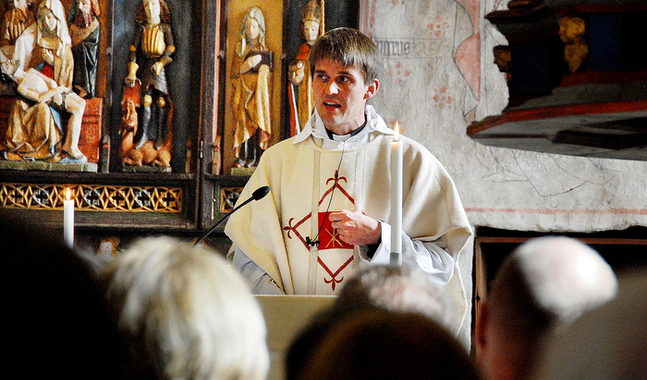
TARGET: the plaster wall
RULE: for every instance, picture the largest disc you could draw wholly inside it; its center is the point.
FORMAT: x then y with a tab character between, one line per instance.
444	79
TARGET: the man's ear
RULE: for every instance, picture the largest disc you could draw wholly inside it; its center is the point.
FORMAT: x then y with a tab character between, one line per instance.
481	326
372	89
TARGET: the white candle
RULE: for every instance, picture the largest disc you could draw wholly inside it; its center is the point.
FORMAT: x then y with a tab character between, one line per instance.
396	199
68	219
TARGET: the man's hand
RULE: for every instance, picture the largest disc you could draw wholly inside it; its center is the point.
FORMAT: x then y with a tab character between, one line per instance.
355	227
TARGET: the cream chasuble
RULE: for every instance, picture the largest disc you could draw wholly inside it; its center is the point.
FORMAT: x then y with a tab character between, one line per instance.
274	231
331	261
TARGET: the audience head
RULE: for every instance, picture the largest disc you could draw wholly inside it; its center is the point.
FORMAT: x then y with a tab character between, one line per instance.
348	47
608	343
184	314
380	287
56	321
544	284
380	344
398	288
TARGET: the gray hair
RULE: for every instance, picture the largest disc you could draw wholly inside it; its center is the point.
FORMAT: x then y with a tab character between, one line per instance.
185	314
406	288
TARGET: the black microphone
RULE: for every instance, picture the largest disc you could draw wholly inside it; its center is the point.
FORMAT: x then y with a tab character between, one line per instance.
259	193
310	242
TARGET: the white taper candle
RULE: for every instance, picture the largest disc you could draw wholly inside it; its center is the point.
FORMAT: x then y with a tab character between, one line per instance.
68	219
396	199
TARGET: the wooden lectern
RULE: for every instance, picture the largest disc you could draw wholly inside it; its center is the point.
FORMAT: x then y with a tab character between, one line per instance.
285	316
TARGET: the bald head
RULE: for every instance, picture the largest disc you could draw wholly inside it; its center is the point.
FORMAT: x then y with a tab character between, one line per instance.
545	283
564	276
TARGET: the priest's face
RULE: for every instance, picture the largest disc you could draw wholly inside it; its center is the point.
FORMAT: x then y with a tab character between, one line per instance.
340	95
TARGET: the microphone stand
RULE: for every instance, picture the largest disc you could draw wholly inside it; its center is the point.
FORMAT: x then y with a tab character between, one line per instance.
256	195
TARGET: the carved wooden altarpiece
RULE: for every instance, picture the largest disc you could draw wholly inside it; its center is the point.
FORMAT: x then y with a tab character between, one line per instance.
198	189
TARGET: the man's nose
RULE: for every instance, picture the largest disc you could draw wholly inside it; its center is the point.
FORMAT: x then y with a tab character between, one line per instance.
332	87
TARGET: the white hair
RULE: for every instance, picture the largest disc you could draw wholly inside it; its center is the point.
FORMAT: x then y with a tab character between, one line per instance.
565	276
185	314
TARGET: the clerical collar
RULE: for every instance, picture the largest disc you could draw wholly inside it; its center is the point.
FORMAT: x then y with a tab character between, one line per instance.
315	128
335	137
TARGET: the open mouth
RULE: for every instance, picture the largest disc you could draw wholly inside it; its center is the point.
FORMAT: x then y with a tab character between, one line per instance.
331	104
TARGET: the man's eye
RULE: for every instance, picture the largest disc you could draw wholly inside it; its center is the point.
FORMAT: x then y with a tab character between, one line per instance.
343	80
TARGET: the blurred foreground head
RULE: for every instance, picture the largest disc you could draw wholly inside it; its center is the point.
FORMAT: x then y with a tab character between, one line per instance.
544	284
380	344
607	343
399	288
185	314
378	287
56	323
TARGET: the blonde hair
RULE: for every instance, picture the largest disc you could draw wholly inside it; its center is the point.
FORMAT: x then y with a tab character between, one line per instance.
184	314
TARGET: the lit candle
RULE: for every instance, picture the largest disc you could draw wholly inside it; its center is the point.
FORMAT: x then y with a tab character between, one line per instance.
396	199
68	219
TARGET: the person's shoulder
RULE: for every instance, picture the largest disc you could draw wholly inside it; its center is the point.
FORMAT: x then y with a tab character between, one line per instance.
419	153
282	144
278	156
412	146
279	149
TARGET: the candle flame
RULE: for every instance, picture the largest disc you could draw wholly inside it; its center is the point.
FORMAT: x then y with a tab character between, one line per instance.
397	132
68	194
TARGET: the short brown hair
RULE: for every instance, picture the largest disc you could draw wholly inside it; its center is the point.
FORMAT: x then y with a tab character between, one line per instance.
349	47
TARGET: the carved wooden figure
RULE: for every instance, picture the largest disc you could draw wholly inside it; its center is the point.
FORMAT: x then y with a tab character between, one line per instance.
15	20
35	128
85	32
300	89
147	153
571	32
149	54
252	85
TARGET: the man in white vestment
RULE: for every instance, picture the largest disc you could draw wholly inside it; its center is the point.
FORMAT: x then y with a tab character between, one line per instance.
328	209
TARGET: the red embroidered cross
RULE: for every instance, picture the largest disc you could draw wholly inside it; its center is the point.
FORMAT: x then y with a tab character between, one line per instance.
333	280
328	237
336	184
328	233
293	228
